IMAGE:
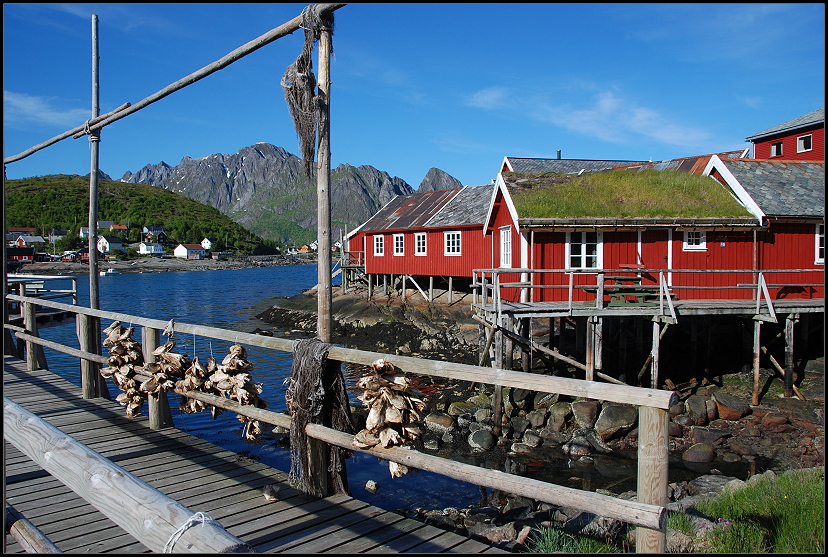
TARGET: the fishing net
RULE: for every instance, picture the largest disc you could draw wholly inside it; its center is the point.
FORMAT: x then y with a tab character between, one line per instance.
316	389
299	85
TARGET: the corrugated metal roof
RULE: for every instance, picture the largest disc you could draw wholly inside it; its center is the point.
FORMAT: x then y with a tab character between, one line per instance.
692	165
469	207
465	206
410	211
783	188
561	166
814	117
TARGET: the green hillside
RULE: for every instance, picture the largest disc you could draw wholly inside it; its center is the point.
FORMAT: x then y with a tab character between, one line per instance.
61	202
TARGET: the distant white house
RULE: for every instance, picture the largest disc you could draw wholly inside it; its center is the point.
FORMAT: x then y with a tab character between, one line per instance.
189	251
208	243
148	248
107	244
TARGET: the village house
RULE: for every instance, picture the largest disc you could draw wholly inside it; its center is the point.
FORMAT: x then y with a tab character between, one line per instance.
57	235
802	138
107	244
423	236
25	241
189	251
20	254
208	243
149	248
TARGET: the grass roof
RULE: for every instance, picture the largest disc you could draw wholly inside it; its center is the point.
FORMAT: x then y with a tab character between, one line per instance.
622	194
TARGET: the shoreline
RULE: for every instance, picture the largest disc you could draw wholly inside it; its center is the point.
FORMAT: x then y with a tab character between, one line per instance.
161	264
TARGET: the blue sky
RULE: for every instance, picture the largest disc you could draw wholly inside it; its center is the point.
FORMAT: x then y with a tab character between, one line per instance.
415	86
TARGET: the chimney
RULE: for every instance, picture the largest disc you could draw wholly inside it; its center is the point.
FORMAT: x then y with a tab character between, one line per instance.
559	154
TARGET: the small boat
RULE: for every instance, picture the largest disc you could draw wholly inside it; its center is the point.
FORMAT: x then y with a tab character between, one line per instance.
108	272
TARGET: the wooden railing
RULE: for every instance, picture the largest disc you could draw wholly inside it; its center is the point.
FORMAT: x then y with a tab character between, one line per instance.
488	286
648	513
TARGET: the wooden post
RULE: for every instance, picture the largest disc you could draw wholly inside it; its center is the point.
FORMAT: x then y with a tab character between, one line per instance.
158	405
30	324
30	538
508	344
590	349
656	343
89	371
757	351
323	181
789	352
431	288
451	290
526	351
599	342
653	464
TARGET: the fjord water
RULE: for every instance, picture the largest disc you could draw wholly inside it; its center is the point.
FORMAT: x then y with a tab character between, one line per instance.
231	299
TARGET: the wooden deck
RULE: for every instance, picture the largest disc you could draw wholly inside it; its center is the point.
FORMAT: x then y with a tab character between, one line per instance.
199	475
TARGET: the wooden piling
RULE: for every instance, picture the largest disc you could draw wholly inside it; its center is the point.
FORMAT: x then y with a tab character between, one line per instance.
653	465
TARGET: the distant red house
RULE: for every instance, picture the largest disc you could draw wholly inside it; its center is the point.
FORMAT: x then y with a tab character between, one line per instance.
25	255
800	139
431	234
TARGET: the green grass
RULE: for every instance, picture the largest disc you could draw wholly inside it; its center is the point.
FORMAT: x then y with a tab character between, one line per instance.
623	194
781	515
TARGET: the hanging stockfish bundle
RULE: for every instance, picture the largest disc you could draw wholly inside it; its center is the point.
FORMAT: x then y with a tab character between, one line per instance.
230	379
124	354
393	412
299	85
316	389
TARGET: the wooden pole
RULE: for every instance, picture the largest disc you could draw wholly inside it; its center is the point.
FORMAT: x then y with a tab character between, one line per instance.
89	373
653	464
655	353
158	406
757	334
30	538
144	512
323	191
31	325
789	353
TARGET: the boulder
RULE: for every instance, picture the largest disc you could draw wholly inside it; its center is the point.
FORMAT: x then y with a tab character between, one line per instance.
700	452
537	418
558	413
708	435
481	440
544	400
730	407
696	409
774	419
585	412
615	419
438	422
578	445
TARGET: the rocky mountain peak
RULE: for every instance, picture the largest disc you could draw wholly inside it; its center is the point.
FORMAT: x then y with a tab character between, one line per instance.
436	179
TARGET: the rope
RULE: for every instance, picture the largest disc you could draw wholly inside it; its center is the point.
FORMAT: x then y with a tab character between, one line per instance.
197	517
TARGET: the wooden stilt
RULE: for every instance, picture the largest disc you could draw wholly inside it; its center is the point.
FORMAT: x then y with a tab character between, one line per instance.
526	351
789	353
757	335
653	465
497	403
598	343
657	330
451	290
590	349
508	344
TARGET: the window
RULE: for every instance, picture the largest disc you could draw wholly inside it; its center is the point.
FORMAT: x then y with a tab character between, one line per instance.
506	246
399	244
820	244
776	149
804	143
420	243
379	245
452	243
584	250
695	240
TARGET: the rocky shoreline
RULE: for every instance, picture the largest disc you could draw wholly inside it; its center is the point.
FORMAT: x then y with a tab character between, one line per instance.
712	428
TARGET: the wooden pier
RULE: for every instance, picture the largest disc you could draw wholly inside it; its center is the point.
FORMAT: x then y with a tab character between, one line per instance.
199	475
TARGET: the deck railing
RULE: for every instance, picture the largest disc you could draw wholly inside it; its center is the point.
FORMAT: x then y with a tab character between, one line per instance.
488	286
648	513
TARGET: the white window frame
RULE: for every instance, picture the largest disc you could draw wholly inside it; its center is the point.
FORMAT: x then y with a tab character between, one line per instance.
399	244
379	245
420	246
506	247
599	250
773	147
819	244
801	139
694	240
452	243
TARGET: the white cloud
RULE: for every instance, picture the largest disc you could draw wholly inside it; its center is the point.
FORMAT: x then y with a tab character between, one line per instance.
21	108
490	97
612	118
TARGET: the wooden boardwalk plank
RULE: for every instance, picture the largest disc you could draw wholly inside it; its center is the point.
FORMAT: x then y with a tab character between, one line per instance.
199	475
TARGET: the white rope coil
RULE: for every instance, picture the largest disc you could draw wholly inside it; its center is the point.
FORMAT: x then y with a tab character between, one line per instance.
197	517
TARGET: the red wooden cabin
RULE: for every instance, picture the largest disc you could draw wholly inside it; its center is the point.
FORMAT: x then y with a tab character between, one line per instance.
801	139
689	251
436	233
